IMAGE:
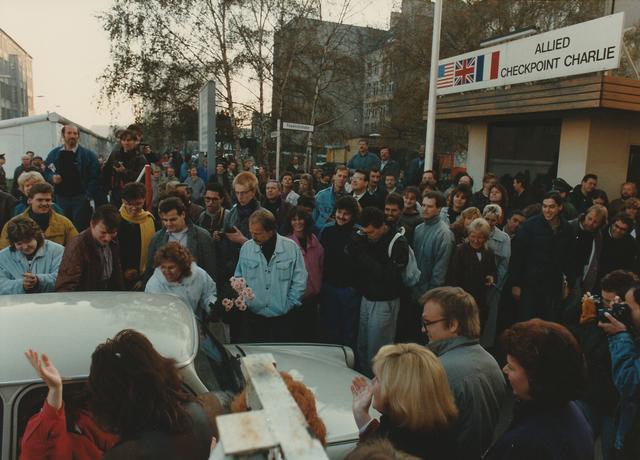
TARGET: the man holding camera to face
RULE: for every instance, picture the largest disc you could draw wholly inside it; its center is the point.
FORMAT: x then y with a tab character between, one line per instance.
621	324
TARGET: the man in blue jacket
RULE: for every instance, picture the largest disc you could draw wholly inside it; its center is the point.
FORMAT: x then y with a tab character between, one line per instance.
73	170
363	159
326	199
433	243
625	362
273	268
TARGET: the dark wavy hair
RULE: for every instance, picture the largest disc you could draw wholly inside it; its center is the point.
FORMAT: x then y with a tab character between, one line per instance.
300	213
22	228
134	389
176	253
460	189
551	357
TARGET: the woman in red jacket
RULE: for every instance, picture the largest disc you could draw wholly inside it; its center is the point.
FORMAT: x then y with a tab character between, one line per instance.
46	436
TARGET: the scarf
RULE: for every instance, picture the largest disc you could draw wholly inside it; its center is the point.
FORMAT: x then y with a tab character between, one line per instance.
147	227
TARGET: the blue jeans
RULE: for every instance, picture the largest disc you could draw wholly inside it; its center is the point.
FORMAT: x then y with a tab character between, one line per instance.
77	209
339	309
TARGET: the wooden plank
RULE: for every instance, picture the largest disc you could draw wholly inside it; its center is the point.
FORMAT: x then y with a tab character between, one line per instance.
275	422
621	81
620	89
609	104
621	97
593	88
518	110
595	96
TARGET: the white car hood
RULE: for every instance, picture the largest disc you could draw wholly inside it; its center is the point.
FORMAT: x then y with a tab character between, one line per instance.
327	377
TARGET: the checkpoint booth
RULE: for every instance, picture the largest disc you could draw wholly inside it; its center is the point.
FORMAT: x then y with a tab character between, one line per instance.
546	105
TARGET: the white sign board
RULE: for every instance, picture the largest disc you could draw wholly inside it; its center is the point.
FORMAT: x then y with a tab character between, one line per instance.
590	46
297	126
207	124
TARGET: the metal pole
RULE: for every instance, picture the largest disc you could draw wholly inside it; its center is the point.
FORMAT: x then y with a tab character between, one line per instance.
278	145
433	76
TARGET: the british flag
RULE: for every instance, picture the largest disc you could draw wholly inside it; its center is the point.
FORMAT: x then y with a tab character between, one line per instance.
465	71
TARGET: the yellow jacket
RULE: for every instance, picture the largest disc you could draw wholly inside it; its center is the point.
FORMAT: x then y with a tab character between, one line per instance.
60	229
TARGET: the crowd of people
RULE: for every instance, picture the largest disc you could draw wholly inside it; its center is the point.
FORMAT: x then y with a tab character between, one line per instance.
431	283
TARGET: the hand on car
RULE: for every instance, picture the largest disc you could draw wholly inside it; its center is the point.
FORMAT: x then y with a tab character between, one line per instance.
49	374
362	392
613	326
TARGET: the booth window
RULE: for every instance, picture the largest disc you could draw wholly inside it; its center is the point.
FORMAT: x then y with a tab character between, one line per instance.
529	146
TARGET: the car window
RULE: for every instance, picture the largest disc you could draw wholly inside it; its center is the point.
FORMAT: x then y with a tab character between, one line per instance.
31	400
216	367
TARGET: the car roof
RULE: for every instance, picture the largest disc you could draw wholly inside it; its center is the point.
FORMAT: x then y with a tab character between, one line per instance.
69	326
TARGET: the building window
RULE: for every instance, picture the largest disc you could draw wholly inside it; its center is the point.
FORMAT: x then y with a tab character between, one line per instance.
531	146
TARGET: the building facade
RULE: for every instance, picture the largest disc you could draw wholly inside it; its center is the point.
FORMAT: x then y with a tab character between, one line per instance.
16	80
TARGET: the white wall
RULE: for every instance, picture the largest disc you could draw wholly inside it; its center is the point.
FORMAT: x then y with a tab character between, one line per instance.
574	147
477	151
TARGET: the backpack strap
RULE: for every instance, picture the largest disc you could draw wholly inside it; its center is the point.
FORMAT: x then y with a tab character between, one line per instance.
393	240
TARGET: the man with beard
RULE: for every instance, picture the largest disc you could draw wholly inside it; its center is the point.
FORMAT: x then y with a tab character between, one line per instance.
74	171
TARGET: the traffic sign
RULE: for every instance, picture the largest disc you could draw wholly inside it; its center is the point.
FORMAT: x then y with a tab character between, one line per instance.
297	126
274	134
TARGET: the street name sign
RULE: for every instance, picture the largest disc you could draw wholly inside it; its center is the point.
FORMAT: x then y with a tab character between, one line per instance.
590	46
297	126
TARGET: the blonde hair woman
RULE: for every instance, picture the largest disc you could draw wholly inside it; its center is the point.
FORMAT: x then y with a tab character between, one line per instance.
416	418
473	265
459	227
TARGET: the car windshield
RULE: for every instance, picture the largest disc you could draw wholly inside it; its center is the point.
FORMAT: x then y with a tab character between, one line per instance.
217	368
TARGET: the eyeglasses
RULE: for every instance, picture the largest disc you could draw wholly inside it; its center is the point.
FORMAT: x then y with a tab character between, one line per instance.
426	323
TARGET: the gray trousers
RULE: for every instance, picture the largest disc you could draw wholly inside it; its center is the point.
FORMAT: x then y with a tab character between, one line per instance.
377	328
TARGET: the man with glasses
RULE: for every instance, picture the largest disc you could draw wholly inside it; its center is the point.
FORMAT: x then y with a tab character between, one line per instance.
212	218
135	231
451	322
619	249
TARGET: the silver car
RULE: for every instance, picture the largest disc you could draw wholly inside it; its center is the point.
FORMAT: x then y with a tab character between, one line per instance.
68	327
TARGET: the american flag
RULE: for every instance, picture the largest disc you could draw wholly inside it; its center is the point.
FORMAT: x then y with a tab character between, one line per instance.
445	75
465	71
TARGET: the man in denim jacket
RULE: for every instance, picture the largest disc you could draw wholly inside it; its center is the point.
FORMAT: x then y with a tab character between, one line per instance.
625	361
273	268
73	170
326	199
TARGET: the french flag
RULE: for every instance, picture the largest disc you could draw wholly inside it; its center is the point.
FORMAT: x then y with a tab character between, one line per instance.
487	66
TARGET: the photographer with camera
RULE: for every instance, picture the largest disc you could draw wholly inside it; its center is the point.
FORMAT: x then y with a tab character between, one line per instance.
621	324
600	400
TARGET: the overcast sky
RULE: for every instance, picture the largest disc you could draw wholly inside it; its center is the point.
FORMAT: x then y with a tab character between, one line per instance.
70	50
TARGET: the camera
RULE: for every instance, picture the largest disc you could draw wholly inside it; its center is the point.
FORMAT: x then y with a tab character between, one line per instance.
619	311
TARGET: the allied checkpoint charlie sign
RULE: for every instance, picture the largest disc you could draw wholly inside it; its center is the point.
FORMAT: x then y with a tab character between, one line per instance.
590	46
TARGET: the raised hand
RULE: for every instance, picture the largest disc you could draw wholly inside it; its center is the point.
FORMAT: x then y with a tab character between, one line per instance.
49	374
362	393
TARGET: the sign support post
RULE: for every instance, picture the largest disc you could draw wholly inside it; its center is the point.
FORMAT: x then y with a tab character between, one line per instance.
433	77
278	146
